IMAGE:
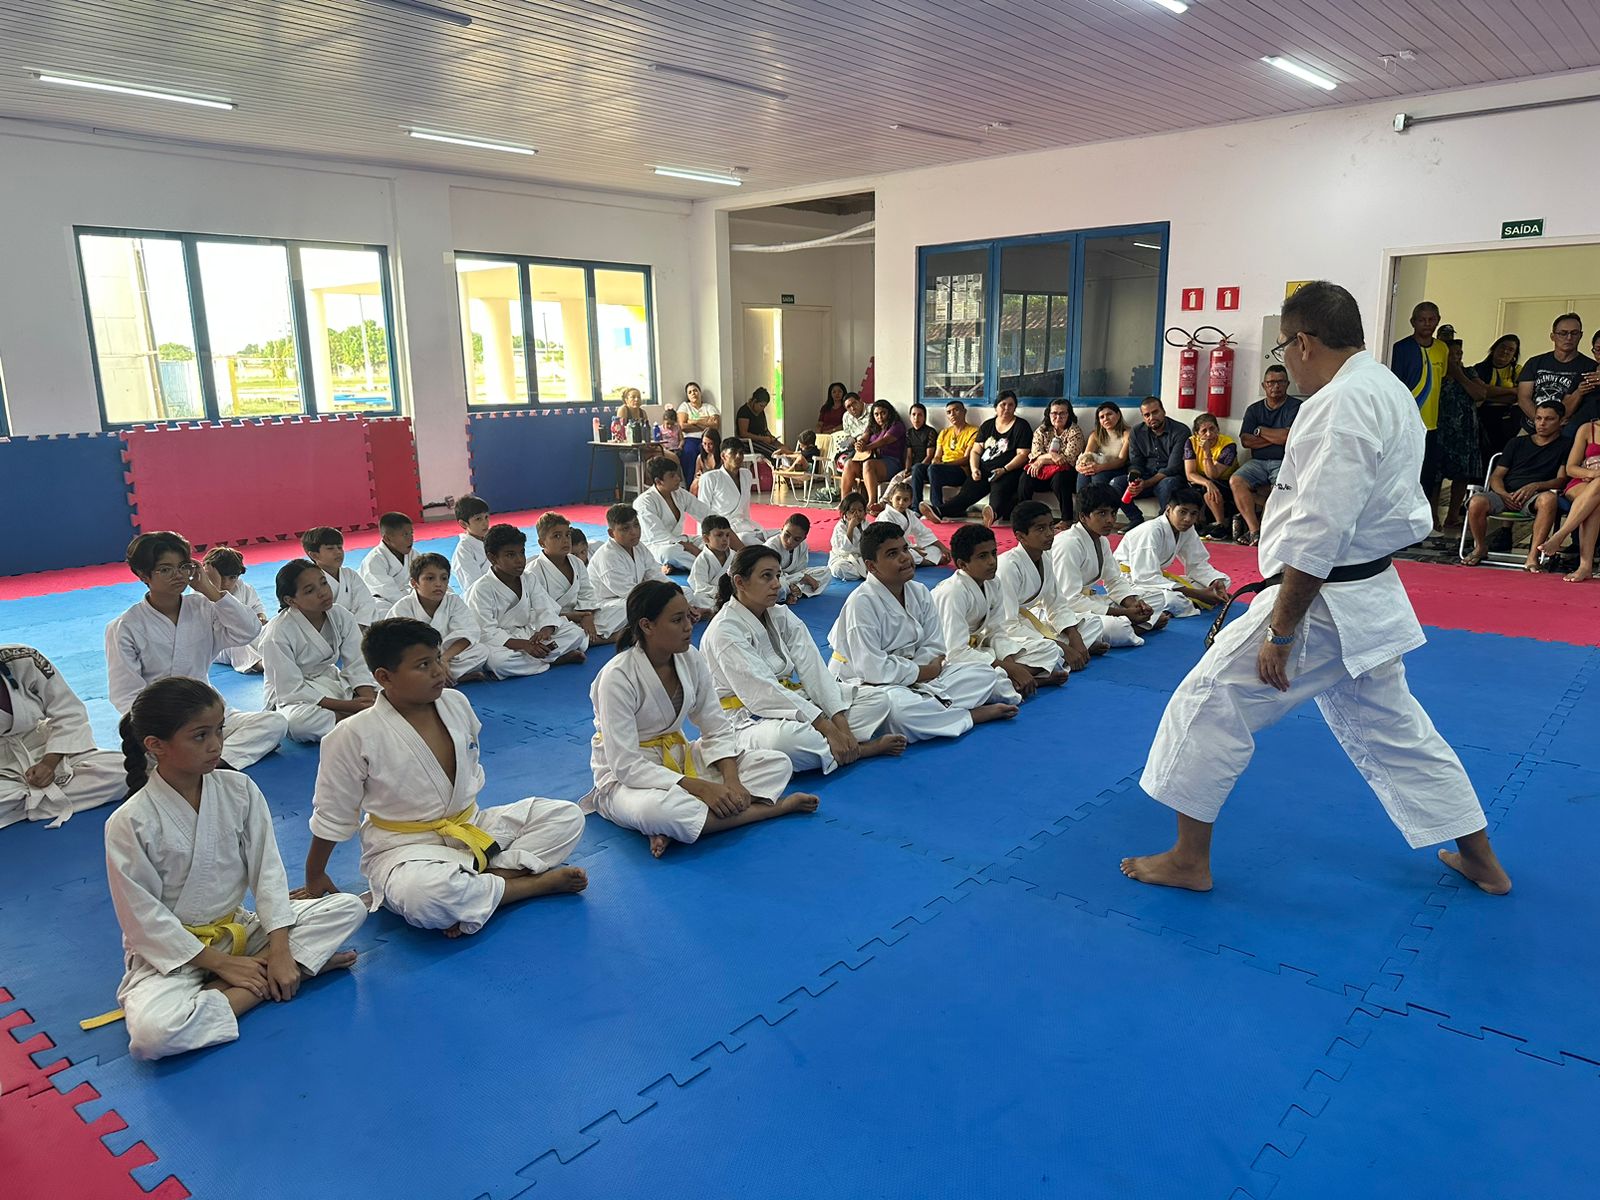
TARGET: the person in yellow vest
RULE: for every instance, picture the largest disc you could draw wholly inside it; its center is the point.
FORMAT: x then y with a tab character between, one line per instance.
1422	361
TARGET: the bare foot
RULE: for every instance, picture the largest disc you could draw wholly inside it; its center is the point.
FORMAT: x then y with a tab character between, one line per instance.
560	881
1099	648
338	962
1474	556
659	843
1054	679
453	932
1584	572
1167	870
988	516
570	658
1488	874
985	713
798	802
892	744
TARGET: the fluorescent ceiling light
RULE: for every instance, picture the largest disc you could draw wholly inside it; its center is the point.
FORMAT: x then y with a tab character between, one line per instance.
1314	78
456	139
128	89
1172	6
944	135
723	80
1148	245
431	10
700	176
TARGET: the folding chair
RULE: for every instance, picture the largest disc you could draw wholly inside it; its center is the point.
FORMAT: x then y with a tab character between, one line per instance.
1512	517
802	483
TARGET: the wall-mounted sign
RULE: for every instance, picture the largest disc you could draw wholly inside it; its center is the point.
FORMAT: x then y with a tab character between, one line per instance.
1194	299
1521	229
1227	299
1293	286
788	298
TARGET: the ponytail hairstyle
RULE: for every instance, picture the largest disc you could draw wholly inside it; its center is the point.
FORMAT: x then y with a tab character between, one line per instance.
159	711
287	582
646	603
744	564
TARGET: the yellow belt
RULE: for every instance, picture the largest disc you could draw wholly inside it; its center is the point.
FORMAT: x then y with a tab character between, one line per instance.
457	826
1039	625
667	743
221	930
732	702
1181	581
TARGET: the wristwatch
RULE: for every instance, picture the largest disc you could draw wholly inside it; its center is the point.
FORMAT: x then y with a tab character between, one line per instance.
1274	640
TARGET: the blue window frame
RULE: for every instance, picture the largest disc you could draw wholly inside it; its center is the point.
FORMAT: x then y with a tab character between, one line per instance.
1074	315
5	418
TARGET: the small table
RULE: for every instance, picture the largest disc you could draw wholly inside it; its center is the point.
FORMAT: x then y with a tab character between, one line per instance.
640	451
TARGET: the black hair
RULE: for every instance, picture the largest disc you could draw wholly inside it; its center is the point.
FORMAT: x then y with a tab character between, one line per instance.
828	403
645	603
470	506
578	535
966	541
146	549
1328	313
916	404
227	561
1206	418
800	520
743	563
547	522
894	416
730	444
503	537
315	539
1152	400
1025	514
849	500
1422	306
392	521
661	466
852	395
761	396
1566	317
1008	394
1072	413
159	711
286	582
1092	497
1275	369
713	523
875	535
385	642
1552	403
422	562
711	439
696	386
620	514
1186	497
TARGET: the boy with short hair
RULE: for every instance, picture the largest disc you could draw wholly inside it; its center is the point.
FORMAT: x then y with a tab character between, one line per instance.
387	566
727	491
978	615
711	564
620	565
1080	557
889	636
562	575
523	630
844	547
461	646
229	564
428	852
324	546
580	545
468	563
662	508
1044	616
794	560
1148	551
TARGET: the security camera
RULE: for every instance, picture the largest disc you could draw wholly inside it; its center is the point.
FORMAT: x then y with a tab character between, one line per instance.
1402	122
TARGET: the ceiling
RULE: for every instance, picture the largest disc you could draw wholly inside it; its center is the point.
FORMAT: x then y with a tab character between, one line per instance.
340	78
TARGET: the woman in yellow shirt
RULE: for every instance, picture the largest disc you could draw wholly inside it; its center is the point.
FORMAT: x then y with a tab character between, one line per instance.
1209	457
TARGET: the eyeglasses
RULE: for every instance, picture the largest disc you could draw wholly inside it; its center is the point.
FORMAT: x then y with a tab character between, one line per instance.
1567	333
173	570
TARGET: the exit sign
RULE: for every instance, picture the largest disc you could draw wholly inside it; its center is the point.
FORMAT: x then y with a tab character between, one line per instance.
1522	229
787	298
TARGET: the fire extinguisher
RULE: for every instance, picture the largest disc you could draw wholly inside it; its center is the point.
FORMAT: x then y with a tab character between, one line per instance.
1188	375
1189	361
1219	379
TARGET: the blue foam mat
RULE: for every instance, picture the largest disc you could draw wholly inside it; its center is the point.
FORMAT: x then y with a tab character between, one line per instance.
91	520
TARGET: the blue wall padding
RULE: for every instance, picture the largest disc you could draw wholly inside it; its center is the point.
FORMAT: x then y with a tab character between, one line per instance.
74	485
536	458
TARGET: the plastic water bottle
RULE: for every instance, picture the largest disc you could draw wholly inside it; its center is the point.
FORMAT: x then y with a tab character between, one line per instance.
655	432
597	429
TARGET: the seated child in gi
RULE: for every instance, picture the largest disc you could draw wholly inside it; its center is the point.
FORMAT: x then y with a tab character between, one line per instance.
229	565
523	630
405	775
1148	550
711	563
926	548
1080	557
844	547
387	566
662	508
325	547
180	855
1045	618
619	565
794	560
469	563
580	545
311	655
49	767
563	576
461	647
647	775
980	618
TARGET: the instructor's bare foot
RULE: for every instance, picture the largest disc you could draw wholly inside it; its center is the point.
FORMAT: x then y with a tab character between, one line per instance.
985	713
893	744
1168	870
659	843
1486	872
341	961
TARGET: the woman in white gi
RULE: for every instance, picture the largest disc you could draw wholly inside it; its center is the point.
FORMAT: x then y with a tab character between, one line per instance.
410	765
524	632
49	767
662	508
888	638
800	580
727	491
431	600
647	775
773	683
1332	619
1044	617
1149	548
1080	557
180	856
229	564
311	655
979	617
175	631
844	546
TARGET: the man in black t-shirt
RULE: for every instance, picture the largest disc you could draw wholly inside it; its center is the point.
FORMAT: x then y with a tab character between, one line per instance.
1564	374
1526	479
1264	432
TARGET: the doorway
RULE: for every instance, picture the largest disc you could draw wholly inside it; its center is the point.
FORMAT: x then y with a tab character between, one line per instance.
788	349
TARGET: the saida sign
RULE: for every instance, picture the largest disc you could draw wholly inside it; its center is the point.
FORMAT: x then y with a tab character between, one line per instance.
1522	229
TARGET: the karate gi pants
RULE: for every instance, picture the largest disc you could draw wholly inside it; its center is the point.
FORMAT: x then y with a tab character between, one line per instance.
674	812
96	777
248	737
943	707
673	554
807	749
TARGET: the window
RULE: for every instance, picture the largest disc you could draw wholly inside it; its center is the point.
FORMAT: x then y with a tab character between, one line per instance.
188	327
589	332
1074	315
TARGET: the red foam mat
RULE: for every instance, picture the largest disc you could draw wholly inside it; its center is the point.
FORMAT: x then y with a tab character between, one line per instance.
48	1150
396	481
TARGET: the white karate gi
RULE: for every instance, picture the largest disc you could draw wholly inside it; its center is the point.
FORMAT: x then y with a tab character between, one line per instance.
46	717
377	765
246	659
503	614
388	578
1043	611
351	593
795	570
454	620
924	543
979	623
708	569
570	596
1347	493
881	643
635	786
1148	549
661	531
303	666
468	562
142	646
751	660
613	573
844	552
170	866
726	496
1078	560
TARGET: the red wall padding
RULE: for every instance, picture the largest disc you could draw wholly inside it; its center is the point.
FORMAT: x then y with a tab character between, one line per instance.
396	485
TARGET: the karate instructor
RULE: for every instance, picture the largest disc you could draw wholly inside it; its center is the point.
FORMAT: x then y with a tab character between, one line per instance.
1331	622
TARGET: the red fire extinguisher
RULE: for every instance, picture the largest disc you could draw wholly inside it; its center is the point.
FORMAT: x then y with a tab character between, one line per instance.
1189	365
1188	375
1219	379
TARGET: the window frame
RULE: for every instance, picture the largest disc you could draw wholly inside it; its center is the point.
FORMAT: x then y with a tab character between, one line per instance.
301	323
993	302
530	366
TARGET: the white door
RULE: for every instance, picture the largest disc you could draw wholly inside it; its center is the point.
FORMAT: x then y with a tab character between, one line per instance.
807	360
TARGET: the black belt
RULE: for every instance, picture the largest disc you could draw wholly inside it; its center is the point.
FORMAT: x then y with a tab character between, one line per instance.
1351	574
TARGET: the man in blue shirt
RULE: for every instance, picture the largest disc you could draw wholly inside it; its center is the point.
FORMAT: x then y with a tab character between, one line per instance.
1155	458
1264	432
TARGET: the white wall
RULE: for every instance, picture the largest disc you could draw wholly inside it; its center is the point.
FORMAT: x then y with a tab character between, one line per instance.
55	180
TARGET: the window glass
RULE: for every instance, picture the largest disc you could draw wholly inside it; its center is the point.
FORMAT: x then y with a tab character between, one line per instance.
491	323
255	361
1035	280
954	337
348	329
144	343
561	334
622	324
1119	306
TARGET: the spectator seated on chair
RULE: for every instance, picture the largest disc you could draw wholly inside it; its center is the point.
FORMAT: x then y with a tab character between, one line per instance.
1526	479
1210	457
1264	432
